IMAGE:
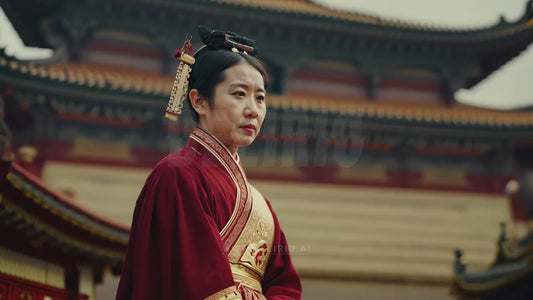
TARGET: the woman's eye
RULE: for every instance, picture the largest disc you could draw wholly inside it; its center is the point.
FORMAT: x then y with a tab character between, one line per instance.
239	94
261	98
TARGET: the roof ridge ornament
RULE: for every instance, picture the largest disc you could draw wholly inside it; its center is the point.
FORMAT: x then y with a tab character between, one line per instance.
528	14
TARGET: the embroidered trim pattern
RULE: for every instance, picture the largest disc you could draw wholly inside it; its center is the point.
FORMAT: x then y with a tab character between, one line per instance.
229	293
243	205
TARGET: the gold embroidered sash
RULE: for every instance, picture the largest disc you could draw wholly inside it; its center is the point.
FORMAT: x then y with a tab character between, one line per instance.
249	256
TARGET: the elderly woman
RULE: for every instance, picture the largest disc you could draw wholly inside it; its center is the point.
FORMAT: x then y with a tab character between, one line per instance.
200	230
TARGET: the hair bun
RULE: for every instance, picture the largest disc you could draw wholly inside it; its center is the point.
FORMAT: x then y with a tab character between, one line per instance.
217	39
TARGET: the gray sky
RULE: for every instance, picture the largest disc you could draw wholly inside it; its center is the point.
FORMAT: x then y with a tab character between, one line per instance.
507	88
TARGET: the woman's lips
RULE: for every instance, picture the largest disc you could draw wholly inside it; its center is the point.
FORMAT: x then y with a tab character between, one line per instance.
248	128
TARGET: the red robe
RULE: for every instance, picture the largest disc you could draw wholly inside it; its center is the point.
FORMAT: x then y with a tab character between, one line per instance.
175	248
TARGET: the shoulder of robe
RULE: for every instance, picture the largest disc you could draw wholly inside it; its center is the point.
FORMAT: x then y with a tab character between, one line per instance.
174	164
182	169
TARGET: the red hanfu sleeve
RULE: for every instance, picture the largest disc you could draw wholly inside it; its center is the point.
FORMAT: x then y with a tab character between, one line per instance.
174	250
281	281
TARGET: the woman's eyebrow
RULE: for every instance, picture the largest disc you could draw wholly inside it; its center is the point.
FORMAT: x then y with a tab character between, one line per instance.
239	84
245	86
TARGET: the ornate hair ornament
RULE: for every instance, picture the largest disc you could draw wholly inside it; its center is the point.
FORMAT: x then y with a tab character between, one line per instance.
213	40
218	39
181	82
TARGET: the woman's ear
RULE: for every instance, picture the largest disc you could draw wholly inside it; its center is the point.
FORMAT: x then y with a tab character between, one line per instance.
198	102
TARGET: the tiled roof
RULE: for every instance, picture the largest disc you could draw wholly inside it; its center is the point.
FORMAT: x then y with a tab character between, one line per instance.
307	7
63	208
39	210
303	7
94	76
105	78
419	112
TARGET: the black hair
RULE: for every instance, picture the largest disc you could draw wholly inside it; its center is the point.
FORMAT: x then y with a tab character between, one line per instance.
208	71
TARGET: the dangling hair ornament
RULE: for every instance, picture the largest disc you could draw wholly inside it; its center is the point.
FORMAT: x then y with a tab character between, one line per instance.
181	83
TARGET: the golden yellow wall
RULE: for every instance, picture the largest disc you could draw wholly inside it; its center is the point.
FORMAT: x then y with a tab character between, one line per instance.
87	285
109	191
29	268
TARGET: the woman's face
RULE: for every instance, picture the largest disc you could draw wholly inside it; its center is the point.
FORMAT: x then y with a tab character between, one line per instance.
238	109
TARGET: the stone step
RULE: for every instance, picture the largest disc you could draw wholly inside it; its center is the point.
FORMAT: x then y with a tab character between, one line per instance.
385	240
390	270
356	207
409	226
387	252
385	233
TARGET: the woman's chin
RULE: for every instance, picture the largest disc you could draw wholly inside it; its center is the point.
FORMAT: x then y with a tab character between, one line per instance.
247	141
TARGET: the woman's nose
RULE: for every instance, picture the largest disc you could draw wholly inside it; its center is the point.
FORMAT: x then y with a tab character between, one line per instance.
251	110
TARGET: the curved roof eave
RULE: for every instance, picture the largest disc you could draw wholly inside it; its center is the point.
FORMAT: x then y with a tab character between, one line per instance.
305	8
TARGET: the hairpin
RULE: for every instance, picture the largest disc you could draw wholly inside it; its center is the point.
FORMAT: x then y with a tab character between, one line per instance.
236	46
181	82
218	39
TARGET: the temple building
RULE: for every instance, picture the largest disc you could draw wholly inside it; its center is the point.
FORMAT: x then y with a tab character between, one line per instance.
52	248
375	171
